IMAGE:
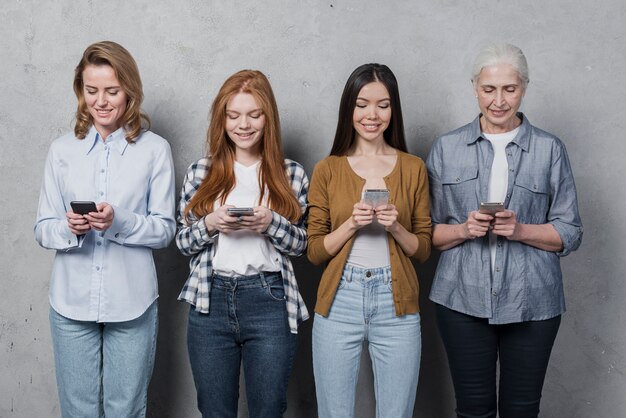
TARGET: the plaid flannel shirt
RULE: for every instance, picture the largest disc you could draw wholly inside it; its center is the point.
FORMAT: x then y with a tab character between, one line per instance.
194	240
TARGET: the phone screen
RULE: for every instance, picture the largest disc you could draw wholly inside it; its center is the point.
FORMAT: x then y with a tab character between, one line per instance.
375	197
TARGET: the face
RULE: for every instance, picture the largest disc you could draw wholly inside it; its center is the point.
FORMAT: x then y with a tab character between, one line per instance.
372	112
499	91
244	123
104	97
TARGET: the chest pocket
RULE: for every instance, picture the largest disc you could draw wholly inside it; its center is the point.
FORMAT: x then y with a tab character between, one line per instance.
460	189
531	198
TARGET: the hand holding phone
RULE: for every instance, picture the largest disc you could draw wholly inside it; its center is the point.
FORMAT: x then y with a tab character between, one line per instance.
491	208
83	207
240	211
375	197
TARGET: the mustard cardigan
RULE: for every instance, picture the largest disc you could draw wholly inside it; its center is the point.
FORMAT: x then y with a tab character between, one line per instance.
334	190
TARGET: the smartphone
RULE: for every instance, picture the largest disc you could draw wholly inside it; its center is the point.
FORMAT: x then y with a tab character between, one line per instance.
491	208
240	211
83	207
375	197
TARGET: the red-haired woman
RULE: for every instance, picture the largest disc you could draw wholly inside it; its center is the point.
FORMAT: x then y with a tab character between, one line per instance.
246	301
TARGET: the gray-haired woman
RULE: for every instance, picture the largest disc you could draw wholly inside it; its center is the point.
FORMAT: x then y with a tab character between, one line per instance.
498	285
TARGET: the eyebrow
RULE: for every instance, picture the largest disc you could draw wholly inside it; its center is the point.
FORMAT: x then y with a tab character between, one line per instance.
381	100
252	111
87	86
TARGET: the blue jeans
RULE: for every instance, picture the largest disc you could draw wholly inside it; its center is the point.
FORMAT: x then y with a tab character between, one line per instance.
474	347
104	369
363	310
247	322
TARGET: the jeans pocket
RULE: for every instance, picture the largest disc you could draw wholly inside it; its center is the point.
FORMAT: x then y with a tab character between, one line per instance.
276	289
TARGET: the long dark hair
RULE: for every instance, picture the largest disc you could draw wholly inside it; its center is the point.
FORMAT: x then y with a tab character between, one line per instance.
365	74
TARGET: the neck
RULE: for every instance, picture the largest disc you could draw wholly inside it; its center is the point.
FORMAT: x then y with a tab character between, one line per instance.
247	158
377	147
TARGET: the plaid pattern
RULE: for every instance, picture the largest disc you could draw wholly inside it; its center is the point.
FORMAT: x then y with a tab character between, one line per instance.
194	240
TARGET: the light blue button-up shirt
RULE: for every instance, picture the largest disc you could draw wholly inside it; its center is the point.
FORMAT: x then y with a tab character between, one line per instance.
527	282
107	276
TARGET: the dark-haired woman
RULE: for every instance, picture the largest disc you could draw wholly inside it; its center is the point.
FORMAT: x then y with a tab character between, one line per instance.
103	290
241	282
369	289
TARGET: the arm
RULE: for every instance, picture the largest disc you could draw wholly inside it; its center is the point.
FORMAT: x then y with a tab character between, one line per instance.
562	233
154	229
446	236
193	236
291	238
52	230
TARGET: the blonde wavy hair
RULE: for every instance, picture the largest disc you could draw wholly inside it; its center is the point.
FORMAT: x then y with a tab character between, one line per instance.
117	57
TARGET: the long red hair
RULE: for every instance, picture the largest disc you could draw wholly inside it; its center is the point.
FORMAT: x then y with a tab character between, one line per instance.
220	179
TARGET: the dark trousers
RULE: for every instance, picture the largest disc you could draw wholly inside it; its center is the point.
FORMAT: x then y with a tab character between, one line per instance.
474	346
247	323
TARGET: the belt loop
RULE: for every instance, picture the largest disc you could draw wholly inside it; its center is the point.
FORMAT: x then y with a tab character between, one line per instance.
349	271
262	277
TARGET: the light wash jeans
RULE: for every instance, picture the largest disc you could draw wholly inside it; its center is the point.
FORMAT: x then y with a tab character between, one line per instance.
104	369
363	310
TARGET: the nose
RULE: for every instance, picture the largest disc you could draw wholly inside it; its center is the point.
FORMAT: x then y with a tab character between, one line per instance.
245	122
499	99
371	112
101	99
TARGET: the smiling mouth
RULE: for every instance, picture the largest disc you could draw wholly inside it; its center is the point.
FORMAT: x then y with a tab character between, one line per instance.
103	112
244	135
370	127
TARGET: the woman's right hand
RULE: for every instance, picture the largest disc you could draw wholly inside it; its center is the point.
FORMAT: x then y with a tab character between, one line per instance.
477	224
219	220
362	215
77	223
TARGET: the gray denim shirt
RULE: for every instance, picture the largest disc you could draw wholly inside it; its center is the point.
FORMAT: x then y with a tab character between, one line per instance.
527	282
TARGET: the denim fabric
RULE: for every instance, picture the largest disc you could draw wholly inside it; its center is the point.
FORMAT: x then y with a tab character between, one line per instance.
474	346
363	310
104	369
527	282
247	322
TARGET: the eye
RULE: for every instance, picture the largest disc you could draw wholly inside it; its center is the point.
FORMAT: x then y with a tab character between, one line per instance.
361	105
113	93
488	90
91	92
256	115
511	89
384	106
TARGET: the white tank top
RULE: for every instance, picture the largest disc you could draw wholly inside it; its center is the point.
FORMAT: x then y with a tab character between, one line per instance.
498	179
242	253
370	248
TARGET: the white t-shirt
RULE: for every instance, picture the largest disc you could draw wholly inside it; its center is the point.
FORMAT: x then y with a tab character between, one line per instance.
498	178
370	248
242	253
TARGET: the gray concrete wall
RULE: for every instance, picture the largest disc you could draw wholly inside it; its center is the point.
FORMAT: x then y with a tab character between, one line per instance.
185	49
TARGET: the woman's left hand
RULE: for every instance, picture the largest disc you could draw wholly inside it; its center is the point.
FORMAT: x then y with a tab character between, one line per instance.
505	225
259	221
103	219
387	216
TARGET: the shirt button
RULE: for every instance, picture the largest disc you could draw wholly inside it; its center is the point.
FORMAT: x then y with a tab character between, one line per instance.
106	148
99	243
69	241
458	179
497	269
508	195
117	235
98	268
511	170
494	293
102	170
101	193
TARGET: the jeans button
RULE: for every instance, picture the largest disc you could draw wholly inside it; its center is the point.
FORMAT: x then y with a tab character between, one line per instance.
368	274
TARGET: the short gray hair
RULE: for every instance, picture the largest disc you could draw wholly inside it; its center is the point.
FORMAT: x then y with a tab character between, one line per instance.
501	54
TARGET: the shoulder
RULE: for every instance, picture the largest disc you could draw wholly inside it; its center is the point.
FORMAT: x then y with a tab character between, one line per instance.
330	163
293	166
411	164
197	171
151	140
65	140
456	136
545	138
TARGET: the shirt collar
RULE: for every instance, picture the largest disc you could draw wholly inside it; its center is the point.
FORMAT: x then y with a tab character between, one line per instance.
117	140
521	139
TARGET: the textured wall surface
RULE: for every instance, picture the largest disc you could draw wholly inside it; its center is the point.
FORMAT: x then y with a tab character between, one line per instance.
185	50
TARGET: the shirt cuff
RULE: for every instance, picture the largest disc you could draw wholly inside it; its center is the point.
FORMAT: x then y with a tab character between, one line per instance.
123	223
